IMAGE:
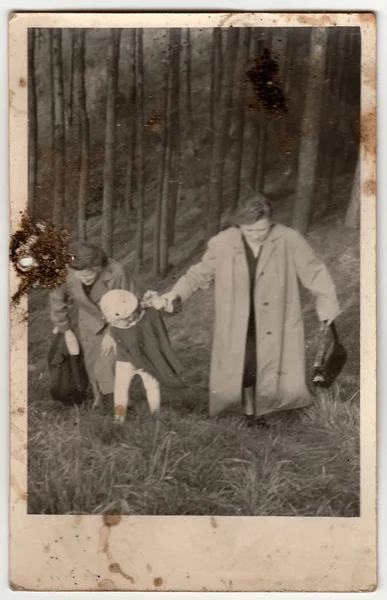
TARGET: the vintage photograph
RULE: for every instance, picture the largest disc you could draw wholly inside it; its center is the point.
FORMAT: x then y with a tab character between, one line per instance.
200	354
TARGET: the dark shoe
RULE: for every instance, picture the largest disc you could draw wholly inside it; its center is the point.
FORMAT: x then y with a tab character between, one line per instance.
262	423
249	420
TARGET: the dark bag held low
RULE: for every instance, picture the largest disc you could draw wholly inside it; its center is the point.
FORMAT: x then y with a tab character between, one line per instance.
69	381
330	356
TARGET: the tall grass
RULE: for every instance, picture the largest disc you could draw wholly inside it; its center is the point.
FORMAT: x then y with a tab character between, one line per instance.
305	464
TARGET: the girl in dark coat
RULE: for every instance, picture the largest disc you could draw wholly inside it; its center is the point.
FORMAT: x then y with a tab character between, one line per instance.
142	348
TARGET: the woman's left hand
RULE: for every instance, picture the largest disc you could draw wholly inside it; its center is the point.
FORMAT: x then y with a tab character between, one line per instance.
108	345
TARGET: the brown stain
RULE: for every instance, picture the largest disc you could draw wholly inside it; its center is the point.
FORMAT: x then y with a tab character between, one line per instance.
111	520
107	585
119	410
21	409
316	20
48	246
264	79
214	523
115	568
24	496
367	18
22	82
368	131
369	187
154	122
158	581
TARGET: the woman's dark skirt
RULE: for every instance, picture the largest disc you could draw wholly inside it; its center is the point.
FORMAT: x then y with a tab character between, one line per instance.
250	367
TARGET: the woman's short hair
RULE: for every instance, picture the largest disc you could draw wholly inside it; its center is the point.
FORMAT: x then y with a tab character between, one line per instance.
87	256
251	209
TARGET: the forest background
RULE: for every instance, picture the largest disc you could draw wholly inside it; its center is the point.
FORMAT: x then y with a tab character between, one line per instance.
143	141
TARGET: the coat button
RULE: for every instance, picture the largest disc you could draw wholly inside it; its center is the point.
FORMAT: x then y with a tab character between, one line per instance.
268	332
265	304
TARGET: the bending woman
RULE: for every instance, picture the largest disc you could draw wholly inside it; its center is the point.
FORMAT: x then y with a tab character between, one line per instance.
90	276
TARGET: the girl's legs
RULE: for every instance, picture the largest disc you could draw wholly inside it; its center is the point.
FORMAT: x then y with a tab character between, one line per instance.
125	372
152	388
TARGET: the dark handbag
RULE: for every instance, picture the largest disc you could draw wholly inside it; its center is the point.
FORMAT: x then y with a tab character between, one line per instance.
330	356
68	376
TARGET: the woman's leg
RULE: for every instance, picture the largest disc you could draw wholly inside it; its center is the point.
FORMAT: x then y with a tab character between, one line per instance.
248	401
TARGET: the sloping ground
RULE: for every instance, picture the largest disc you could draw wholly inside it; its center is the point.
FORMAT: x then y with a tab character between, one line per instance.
307	463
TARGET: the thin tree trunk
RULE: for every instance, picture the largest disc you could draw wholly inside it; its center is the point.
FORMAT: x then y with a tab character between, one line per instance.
140	156
52	102
259	165
352	218
59	130
240	114
71	80
306	176
132	117
216	75
174	184
84	131
164	203
190	121
109	158
32	125
219	144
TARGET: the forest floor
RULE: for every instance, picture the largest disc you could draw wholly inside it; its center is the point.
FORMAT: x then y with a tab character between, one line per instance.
306	464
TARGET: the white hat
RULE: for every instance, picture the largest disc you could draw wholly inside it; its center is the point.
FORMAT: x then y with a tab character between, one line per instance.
118	304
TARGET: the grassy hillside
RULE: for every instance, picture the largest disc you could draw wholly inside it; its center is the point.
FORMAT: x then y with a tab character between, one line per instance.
307	463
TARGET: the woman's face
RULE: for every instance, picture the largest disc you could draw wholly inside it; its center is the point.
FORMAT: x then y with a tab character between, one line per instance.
87	276
256	232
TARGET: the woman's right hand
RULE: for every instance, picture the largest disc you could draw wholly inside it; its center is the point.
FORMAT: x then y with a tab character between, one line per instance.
169	299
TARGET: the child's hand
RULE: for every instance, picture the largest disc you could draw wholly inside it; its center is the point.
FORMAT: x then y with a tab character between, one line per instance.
152	299
108	345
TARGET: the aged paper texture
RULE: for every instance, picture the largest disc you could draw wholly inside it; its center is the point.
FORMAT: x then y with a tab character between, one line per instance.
297	531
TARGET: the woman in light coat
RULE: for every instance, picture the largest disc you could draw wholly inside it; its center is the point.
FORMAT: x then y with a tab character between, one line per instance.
90	275
258	352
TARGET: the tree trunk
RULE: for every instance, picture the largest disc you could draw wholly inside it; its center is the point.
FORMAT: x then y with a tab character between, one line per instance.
132	117
189	117
32	125
163	203
139	159
59	130
216	76
259	165
84	131
352	218
109	158
244	43
219	142
52	99
174	184
306	176
71	80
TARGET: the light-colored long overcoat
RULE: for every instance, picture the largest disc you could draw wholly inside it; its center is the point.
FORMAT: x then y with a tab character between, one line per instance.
91	322
286	258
